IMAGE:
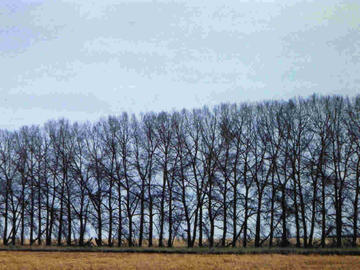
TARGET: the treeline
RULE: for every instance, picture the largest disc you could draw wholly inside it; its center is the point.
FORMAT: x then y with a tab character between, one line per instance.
263	172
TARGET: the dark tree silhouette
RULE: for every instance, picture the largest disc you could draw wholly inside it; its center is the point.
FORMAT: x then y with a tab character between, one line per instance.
272	173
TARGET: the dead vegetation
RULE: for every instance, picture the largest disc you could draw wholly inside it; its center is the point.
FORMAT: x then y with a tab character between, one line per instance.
104	261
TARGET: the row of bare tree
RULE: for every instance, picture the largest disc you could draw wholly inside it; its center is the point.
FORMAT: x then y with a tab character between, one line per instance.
265	172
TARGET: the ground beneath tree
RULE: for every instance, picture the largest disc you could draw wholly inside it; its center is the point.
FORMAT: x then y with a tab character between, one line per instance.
96	261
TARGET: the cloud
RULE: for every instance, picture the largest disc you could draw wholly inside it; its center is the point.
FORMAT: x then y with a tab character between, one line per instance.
15	39
54	102
86	57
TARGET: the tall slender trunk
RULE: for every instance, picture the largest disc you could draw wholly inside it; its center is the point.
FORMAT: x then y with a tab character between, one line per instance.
99	225
272	209
129	213
313	212
195	225
301	197
303	215
69	218
201	225
211	217
13	238
61	215
81	220
130	241
323	212
245	216
110	243
246	207
47	215
296	212
284	239
162	205
185	206
39	215
119	216
51	214
210	203
6	213
22	237
150	242
32	208
234	212
258	219
356	204
223	241
142	210
128	200
170	217
339	220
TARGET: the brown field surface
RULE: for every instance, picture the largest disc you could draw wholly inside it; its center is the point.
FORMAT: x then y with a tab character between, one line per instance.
97	261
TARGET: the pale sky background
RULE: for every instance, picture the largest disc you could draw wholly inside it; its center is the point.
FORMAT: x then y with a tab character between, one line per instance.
84	59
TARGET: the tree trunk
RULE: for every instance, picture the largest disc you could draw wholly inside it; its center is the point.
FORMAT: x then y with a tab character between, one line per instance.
258	219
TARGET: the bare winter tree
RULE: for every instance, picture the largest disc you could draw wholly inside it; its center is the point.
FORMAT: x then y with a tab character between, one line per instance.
272	173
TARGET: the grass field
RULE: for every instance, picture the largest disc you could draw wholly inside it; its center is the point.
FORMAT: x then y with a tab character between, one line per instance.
196	250
96	261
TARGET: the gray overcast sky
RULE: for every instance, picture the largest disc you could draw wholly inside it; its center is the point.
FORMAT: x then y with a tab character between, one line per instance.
83	59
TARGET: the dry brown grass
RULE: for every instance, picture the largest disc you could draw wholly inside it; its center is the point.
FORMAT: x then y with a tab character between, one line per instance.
97	261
